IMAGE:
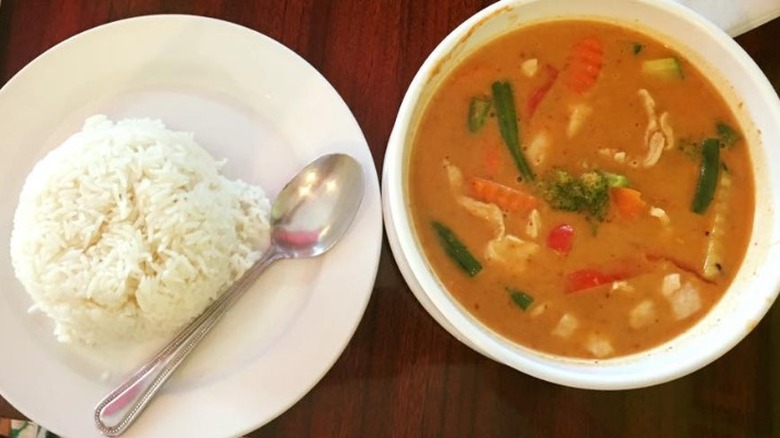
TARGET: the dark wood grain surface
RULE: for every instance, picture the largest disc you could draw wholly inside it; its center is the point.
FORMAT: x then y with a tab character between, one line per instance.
402	375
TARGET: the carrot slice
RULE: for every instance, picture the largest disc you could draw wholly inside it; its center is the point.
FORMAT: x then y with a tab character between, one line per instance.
628	201
506	198
585	62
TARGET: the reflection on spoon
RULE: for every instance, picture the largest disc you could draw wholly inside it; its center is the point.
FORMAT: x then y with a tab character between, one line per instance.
311	214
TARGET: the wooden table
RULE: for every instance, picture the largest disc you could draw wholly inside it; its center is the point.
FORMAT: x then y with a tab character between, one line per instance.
402	375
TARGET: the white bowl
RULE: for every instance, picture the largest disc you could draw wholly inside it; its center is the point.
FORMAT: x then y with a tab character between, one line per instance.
756	284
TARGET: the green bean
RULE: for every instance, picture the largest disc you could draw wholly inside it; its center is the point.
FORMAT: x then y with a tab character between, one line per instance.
507	124
708	175
457	250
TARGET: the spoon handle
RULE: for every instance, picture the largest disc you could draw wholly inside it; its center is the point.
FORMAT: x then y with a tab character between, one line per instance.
117	411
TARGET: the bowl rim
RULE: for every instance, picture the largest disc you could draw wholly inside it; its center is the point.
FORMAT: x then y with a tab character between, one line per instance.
448	313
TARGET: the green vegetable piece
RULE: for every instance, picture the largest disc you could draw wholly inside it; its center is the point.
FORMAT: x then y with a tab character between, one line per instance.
637	48
520	298
479	109
616	180
457	250
588	193
708	175
664	68
507	123
727	135
595	189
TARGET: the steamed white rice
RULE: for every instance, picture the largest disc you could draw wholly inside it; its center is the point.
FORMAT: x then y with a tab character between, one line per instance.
127	231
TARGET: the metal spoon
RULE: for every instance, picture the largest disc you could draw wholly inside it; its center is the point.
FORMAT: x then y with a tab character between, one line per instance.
308	217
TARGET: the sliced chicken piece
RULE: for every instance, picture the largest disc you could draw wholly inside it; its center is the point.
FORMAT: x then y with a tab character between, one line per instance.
534	224
529	67
455	178
659	136
578	115
652	119
642	315
683	297
539	309
666	128
566	326
655	145
661	215
616	154
490	213
504	248
511	250
622	286
658	133
686	301
538	147
670	284
599	345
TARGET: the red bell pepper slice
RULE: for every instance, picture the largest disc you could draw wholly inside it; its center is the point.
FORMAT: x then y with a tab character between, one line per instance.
585	279
561	238
538	95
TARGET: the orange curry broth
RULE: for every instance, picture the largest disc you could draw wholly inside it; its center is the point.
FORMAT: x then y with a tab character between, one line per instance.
643	248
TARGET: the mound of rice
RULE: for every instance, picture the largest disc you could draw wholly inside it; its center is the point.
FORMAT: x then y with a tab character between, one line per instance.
127	231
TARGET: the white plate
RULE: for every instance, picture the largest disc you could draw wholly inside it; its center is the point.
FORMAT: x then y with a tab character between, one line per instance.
735	18
250	100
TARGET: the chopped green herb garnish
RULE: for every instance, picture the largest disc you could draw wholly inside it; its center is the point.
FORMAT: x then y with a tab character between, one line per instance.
587	193
479	108
520	298
691	148
637	48
504	101
457	250
726	135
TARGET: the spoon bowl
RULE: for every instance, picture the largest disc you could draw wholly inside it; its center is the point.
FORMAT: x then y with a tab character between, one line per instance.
308	218
315	208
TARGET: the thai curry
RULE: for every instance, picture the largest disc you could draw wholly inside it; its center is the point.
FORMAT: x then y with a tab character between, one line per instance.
581	189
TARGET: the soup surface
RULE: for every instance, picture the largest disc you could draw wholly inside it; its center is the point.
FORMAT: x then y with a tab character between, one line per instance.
581	189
